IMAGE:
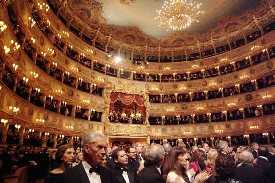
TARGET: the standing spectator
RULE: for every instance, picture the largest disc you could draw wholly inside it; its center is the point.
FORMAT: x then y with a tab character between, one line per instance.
154	157
64	158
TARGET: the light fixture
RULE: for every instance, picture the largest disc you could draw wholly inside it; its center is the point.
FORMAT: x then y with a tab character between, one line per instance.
117	59
14	109
34	74
177	15
40	120
17	126
3	26
43	6
31	22
4	121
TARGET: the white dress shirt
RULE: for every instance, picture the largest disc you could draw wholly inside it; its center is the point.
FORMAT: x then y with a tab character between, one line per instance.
125	176
93	177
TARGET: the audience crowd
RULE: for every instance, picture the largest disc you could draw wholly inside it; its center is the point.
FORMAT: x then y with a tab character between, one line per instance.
230	115
96	161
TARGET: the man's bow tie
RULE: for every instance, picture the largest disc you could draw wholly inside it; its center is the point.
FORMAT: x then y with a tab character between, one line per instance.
95	169
123	169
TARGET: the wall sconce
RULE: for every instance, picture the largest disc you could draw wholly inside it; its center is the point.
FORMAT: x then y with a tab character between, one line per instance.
17	126
70	127
59	91
40	120
14	109
6	49
265	134
187	133
43	53
34	74
47	133
254	127
14	66
31	130
4	121
50	51
228	137
31	22
86	101
37	90
246	136
33	40
25	79
66	34
54	64
3	26
218	131
90	51
62	136
266	96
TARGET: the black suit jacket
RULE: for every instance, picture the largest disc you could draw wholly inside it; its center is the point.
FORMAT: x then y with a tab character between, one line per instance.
117	173
77	174
246	173
149	174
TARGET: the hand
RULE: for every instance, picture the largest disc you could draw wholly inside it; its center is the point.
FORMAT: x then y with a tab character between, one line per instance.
202	177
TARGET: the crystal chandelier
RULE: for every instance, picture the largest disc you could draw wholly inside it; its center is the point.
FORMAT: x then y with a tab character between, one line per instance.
177	15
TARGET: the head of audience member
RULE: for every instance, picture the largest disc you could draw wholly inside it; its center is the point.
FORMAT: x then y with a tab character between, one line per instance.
194	148
271	150
263	151
255	146
245	157
262	162
139	148
199	156
212	156
178	160
79	157
154	155
206	147
167	148
224	166
132	153
64	155
120	157
223	147
94	149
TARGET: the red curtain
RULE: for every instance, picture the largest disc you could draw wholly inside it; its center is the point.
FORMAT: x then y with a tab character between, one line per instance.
128	100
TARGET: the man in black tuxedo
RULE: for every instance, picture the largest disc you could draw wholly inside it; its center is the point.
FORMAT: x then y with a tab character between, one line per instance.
245	172
154	157
91	169
121	171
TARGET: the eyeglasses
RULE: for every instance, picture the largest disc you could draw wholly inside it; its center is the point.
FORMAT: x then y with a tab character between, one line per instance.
187	159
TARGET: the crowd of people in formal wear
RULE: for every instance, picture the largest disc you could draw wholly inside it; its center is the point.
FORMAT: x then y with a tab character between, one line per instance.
98	162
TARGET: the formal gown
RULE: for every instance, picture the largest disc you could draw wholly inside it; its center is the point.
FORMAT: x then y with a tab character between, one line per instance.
172	177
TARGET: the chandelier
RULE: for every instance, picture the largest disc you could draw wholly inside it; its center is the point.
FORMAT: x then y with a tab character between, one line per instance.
177	15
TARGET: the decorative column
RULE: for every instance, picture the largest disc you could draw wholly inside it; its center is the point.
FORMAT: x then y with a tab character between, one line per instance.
5	130
44	140
21	135
54	141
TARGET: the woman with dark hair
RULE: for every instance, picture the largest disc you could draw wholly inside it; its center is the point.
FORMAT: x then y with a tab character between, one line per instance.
177	163
224	166
64	157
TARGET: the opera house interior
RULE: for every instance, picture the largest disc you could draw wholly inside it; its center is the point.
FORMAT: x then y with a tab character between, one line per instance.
140	72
